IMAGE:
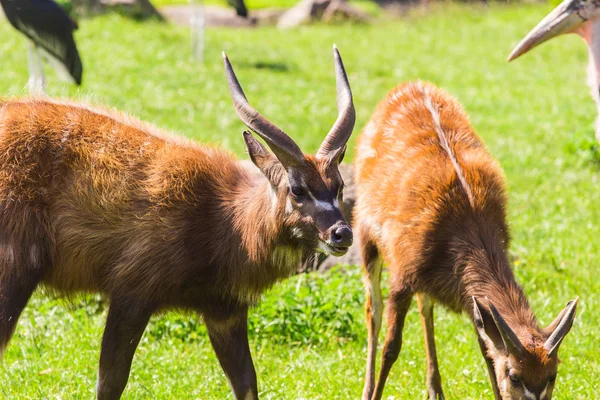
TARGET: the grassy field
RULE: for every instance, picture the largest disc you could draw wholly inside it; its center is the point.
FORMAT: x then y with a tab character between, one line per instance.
308	337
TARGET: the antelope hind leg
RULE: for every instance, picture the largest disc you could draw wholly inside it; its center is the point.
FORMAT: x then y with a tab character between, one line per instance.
434	381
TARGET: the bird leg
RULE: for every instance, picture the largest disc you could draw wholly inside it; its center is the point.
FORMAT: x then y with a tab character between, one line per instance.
594	72
590	32
197	25
36	81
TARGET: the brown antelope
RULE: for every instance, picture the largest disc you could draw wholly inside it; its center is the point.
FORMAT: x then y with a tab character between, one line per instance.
92	201
431	204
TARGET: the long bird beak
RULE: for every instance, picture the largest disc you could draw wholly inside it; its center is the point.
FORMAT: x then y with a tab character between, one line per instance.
563	19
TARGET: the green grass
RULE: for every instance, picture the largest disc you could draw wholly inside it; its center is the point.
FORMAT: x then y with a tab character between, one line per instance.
307	337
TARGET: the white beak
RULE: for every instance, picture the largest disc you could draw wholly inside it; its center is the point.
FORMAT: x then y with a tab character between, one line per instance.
563	19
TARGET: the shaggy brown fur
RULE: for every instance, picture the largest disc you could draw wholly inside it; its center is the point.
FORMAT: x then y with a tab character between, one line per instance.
93	201
431	202
109	205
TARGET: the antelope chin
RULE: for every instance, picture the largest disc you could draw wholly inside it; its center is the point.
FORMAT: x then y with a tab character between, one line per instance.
331	249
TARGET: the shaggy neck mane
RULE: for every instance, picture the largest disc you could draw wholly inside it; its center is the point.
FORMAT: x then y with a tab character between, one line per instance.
251	246
258	216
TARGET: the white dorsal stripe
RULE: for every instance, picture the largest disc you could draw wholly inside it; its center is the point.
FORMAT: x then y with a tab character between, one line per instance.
435	115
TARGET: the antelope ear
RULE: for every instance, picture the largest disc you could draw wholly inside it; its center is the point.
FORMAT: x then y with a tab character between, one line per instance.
560	327
480	327
511	342
265	161
493	330
337	156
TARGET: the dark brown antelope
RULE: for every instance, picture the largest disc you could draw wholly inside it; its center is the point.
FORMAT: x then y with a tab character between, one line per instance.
431	205
92	201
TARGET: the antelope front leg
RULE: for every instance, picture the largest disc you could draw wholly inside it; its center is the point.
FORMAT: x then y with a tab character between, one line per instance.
373	311
229	338
398	305
434	381
124	328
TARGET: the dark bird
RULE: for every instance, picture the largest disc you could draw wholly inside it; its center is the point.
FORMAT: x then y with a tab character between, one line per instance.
50	30
571	16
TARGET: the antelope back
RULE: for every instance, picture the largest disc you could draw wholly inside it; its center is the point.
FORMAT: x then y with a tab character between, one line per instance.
417	150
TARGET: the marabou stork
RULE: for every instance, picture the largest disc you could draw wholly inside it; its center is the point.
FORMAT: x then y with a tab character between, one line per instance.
571	16
50	31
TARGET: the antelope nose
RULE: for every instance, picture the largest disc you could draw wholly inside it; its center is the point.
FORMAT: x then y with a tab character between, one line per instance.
341	236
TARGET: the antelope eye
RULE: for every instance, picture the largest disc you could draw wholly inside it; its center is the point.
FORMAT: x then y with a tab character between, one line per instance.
514	378
552	379
298	191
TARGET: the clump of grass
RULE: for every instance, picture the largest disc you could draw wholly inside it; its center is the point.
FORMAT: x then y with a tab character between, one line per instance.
320	309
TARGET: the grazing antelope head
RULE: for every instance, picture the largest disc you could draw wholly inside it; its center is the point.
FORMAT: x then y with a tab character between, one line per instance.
308	189
525	365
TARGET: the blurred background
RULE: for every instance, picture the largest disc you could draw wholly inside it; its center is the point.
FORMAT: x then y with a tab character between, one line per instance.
161	61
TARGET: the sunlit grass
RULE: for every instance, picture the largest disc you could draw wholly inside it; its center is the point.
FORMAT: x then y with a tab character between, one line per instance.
535	116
